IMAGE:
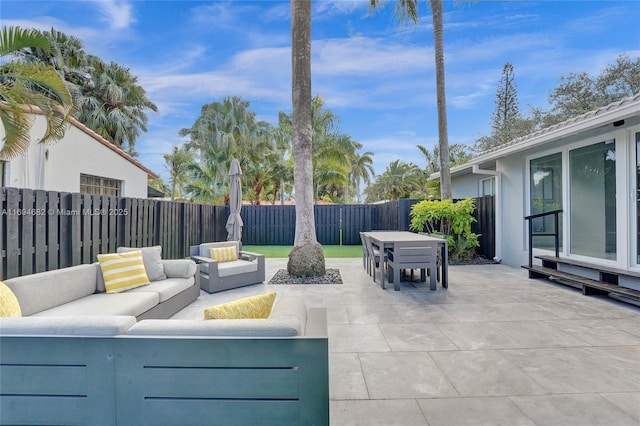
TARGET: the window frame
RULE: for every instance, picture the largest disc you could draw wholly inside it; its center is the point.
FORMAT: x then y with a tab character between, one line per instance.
104	185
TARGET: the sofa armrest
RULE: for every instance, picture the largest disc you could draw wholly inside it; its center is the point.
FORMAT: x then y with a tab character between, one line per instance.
202	259
179	268
249	255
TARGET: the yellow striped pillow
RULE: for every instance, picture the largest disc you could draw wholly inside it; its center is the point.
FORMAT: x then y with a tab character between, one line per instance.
9	305
223	254
123	271
250	307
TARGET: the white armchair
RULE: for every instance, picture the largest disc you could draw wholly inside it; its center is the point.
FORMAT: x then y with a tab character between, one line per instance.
219	276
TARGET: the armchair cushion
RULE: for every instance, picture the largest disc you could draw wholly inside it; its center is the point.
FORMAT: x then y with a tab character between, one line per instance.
204	248
237	267
223	254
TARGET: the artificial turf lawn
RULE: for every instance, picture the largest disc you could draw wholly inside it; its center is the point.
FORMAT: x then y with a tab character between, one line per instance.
329	251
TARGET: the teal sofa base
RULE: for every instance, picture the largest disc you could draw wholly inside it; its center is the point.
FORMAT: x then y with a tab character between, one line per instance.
150	380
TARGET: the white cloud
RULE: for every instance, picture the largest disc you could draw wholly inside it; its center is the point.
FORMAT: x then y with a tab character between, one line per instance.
117	14
366	56
331	8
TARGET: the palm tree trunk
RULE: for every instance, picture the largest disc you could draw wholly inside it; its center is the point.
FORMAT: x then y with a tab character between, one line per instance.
302	126
443	138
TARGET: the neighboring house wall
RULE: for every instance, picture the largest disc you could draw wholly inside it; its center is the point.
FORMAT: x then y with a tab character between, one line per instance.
467	186
57	166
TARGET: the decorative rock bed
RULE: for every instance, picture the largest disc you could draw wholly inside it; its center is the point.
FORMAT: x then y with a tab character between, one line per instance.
331	276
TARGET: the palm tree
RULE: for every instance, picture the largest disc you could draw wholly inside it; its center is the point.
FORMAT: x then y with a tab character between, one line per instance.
302	129
361	170
68	57
25	84
399	180
113	106
204	185
108	98
408	9
177	163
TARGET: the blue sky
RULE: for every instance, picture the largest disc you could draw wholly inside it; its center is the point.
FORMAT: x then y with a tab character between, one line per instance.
376	75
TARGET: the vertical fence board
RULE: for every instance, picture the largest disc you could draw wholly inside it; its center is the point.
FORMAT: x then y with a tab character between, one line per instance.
40	231
75	242
13	232
86	207
53	230
26	231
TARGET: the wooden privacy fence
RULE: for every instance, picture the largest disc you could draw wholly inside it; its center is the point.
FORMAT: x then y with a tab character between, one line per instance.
335	224
44	230
485	226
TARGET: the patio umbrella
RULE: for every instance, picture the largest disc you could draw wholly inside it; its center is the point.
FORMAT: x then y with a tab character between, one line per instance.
234	222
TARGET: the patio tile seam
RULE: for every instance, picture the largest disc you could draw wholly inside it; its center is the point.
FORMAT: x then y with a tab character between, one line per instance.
364	377
445	375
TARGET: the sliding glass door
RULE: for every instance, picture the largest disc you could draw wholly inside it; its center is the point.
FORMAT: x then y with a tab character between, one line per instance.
546	195
637	193
593	200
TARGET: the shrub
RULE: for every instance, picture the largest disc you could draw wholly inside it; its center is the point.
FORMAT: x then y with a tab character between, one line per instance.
451	220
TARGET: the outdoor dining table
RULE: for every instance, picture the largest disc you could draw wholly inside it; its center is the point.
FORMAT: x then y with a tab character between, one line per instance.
386	240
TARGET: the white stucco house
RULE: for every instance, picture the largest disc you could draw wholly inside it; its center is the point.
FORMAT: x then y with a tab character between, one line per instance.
589	167
82	161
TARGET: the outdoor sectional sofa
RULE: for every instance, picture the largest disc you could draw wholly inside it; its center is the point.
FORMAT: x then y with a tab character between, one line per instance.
80	358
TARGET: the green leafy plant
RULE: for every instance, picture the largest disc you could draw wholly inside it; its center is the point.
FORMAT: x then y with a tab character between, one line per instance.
450	219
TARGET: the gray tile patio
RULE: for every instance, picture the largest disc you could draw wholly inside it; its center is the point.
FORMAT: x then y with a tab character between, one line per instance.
496	348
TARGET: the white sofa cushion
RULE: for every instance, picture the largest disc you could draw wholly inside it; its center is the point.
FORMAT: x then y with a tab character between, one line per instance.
152	259
67	326
166	289
127	303
43	291
291	309
288	318
236	267
179	268
237	328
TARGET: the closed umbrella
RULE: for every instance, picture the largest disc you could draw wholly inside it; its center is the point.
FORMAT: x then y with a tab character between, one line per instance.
234	222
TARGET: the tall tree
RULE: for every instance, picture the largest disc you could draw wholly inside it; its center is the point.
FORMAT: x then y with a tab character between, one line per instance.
114	105
507	110
68	57
204	184
107	97
24	84
177	163
506	121
305	233
408	9
580	92
399	180
361	170
458	154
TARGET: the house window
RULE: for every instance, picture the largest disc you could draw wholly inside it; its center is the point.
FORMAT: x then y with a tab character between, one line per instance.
546	195
593	200
487	186
99	185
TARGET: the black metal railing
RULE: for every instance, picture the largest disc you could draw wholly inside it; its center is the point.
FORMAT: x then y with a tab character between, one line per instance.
555	233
